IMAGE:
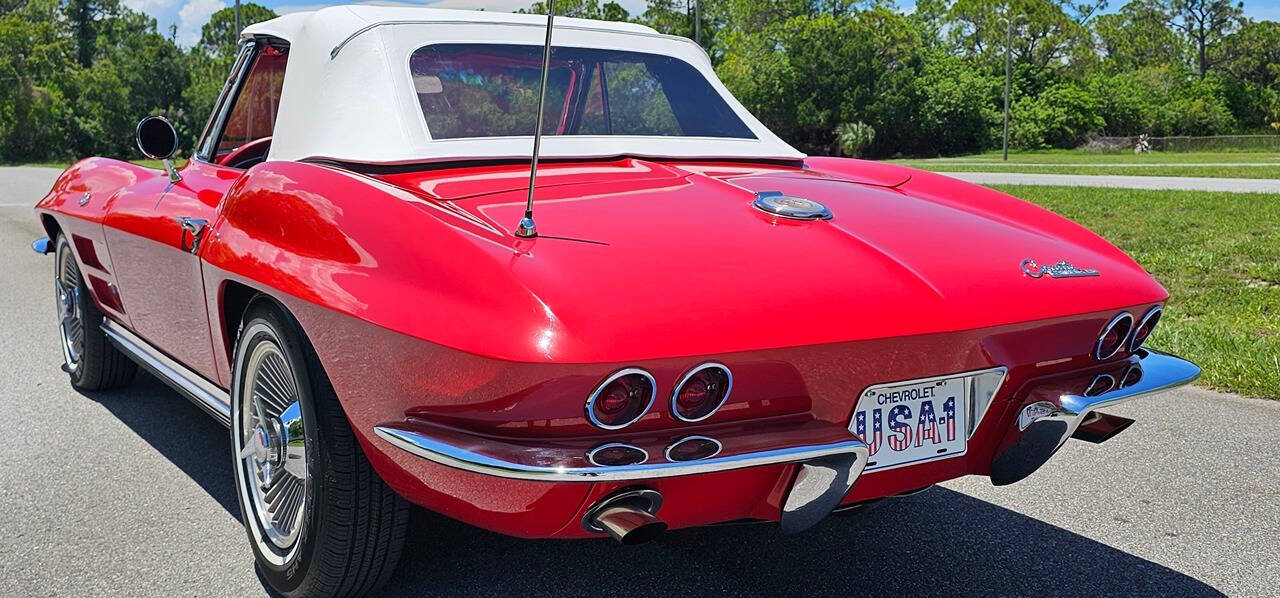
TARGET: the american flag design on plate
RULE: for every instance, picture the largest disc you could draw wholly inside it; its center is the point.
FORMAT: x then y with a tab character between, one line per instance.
913	422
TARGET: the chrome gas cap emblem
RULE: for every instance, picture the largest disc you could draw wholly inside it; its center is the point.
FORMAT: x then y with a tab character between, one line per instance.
789	206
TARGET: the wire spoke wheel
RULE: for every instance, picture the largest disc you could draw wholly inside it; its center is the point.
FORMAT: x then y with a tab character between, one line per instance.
272	449
70	317
88	357
320	520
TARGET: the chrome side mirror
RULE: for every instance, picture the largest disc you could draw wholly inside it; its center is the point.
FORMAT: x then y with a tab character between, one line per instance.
159	141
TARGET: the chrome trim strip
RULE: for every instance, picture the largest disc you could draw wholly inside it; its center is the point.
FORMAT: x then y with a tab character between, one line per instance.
461	458
1154	312
203	393
42	246
653	385
683	379
976	414
1097	347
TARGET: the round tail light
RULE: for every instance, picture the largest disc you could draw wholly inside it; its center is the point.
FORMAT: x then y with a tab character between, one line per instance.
1131	376
1101	383
1145	326
701	392
621	399
693	448
1113	336
615	454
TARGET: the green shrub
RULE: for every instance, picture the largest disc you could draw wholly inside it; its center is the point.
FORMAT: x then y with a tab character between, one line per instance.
956	106
1198	107
1061	116
854	137
1126	104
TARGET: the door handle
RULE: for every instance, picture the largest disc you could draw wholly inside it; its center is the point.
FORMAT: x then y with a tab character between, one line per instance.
196	227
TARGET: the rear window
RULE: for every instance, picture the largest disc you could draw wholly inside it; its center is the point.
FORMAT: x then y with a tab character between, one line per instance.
491	90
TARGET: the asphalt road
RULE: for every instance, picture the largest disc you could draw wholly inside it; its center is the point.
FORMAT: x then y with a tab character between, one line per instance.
130	493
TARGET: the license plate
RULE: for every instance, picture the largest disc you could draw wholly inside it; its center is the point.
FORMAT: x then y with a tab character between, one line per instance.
906	423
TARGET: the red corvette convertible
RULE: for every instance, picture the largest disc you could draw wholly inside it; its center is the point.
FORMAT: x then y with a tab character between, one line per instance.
704	325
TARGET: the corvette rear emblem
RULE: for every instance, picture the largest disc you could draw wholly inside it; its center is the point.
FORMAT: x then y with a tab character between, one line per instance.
1062	269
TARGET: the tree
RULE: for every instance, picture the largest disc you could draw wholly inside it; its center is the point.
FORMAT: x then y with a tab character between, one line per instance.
1137	37
583	9
1252	74
807	74
676	17
33	50
219	37
1044	33
1254	54
1206	23
84	16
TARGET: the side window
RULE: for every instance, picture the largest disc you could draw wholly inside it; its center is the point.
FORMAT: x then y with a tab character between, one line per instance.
253	117
204	150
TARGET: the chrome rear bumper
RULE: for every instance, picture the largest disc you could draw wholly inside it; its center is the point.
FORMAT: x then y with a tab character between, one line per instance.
1044	426
568	465
830	459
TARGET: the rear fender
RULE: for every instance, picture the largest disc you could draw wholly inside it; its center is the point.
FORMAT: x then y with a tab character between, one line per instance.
365	249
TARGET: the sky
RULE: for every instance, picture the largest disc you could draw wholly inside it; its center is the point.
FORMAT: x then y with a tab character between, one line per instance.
190	15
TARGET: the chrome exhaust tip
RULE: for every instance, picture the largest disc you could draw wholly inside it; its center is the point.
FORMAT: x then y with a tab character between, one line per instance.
630	516
629	525
1100	427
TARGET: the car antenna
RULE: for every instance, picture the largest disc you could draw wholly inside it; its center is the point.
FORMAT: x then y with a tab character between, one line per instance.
528	229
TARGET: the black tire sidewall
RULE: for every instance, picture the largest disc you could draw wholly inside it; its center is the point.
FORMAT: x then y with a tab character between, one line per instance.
289	577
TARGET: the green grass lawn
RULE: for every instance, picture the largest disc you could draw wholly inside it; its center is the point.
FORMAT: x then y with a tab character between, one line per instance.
1245	165
1218	254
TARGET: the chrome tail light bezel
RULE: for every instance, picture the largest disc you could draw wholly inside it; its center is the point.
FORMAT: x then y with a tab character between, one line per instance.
1124	339
595	394
1154	312
675	393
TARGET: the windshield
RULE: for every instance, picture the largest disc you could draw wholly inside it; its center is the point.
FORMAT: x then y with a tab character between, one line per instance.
491	90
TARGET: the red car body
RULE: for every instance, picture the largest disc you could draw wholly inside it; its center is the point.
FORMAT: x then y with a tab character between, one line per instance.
656	265
463	354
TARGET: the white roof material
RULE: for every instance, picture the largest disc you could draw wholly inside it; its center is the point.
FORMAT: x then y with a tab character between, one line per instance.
348	94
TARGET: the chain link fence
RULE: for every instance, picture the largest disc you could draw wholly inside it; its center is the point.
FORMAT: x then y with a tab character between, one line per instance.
1216	143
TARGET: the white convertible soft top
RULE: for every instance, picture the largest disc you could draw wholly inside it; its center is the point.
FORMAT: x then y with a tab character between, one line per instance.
349	96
